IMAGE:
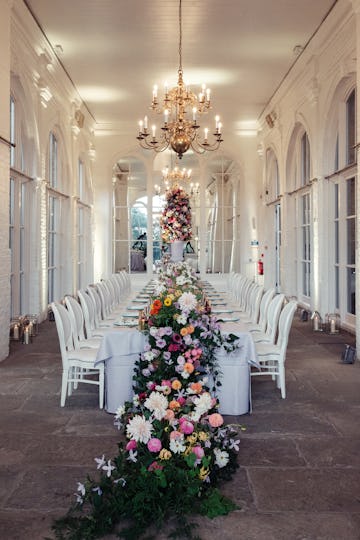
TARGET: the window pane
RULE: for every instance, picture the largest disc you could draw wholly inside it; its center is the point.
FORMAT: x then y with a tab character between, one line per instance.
12	131
350	197
351	241
336	242
350	127
336	200
337	288
12	201
351	290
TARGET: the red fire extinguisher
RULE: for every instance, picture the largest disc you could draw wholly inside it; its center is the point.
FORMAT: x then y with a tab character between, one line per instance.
260	266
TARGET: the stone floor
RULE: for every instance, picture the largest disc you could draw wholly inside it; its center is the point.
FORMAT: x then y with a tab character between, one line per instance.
299	475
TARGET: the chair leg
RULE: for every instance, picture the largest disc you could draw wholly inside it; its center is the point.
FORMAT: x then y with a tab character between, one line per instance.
101	388
64	384
281	381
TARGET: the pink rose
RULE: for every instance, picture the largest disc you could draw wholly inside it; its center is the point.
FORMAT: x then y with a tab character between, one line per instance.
181	400
198	451
131	445
154	445
216	420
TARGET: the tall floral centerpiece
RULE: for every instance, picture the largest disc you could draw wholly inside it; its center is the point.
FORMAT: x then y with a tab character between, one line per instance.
176	221
175	447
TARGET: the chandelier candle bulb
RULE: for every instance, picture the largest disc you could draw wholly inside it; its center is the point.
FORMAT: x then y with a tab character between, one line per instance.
146	122
153	131
206	131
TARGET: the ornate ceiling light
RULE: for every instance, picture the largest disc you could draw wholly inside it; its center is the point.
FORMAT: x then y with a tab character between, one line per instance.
175	175
180	107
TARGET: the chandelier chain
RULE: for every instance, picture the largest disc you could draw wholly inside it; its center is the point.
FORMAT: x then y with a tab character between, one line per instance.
180	38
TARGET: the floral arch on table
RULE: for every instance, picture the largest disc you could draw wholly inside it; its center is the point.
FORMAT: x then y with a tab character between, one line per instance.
176	216
175	448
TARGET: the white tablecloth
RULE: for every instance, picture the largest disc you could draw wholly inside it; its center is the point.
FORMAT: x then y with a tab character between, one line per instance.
235	391
119	350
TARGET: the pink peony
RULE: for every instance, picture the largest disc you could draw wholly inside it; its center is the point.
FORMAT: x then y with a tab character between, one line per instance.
154	445
175	435
216	420
131	445
186	427
198	451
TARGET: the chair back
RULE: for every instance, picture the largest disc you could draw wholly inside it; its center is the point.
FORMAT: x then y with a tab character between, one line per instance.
105	299
264	306
63	327
256	296
77	319
285	322
94	295
88	310
243	293
273	316
112	294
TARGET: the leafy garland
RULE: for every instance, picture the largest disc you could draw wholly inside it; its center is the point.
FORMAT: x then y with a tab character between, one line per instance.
177	448
176	217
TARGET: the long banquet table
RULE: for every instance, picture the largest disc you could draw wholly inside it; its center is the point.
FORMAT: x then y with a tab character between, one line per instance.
121	347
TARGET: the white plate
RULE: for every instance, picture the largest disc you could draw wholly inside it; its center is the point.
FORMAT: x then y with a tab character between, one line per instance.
136	308
222	311
228	319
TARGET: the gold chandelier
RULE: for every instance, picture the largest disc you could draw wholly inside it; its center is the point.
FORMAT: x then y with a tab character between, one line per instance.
175	175
180	107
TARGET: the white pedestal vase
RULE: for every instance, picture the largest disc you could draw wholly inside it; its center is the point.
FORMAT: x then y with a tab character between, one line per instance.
177	250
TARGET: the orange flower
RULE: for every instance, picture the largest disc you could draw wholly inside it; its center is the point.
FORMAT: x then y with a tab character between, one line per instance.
174	405
169	415
190	329
196	387
176	384
188	367
157	304
183	331
154	311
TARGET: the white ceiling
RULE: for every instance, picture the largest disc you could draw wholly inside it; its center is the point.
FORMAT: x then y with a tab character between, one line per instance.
116	50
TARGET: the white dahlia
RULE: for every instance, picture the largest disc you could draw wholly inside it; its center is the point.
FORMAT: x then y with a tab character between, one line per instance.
139	429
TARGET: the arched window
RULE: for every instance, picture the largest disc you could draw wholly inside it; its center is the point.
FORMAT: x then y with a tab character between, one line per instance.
341	139
300	210
19	212
83	227
58	264
272	186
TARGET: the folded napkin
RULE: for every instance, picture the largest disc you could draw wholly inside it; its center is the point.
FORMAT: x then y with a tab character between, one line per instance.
222	311
129	323
136	308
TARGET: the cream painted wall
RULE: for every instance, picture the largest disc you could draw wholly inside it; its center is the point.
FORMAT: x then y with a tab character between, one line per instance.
4	177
